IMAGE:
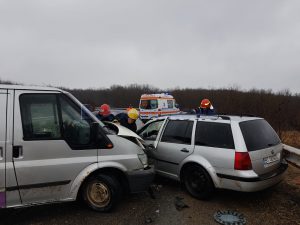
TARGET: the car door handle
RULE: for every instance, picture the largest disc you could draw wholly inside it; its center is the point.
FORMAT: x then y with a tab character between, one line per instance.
1	152
17	152
184	150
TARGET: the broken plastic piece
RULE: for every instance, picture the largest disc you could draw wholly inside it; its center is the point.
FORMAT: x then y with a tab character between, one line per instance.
179	204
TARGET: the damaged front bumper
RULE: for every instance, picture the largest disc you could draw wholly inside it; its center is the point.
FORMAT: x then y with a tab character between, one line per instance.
140	180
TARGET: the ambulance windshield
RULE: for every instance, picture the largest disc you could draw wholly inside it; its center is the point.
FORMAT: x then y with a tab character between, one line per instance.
149	104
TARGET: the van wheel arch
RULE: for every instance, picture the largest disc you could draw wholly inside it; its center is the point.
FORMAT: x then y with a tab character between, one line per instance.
109	171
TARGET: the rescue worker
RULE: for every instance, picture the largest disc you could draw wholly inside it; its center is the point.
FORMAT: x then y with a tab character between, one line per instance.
105	113
205	108
128	119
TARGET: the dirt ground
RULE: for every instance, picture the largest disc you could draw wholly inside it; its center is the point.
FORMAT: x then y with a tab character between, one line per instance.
279	205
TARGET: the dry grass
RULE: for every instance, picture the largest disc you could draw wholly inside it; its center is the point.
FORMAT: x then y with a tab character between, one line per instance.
291	138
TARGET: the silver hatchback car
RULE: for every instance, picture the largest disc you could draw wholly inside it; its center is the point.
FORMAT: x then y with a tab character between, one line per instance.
240	153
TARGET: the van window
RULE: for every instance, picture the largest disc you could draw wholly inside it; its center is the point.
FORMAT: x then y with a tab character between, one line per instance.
178	131
170	104
40	118
76	123
55	116
218	135
258	134
149	104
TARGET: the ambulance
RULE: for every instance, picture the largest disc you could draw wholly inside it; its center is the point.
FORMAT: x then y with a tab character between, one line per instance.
155	105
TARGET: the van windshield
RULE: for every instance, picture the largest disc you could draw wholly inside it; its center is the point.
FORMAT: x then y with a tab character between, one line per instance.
149	104
258	134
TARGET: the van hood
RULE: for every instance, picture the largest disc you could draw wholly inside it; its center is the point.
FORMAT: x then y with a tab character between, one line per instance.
122	131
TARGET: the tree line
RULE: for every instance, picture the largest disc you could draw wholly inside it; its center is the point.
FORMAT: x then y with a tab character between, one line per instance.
281	109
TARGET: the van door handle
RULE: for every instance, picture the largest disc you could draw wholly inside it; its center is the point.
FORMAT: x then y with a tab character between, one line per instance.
184	150
17	152
1	153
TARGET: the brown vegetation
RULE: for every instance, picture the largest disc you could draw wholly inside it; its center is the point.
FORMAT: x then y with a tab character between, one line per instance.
281	109
291	138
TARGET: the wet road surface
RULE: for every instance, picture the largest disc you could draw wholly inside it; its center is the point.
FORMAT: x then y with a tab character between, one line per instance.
279	205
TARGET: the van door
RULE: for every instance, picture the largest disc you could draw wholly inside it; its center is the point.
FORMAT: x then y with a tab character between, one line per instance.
52	145
3	119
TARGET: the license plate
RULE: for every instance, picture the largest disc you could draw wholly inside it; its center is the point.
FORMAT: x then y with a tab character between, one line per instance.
270	159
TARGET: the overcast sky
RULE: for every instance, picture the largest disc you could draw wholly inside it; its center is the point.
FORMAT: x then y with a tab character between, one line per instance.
188	43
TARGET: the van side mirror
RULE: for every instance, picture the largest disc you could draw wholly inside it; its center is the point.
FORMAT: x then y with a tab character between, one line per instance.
99	137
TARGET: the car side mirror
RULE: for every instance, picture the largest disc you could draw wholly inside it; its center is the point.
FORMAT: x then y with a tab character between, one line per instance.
150	147
99	137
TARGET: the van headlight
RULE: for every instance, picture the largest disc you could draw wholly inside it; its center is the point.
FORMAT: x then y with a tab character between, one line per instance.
144	159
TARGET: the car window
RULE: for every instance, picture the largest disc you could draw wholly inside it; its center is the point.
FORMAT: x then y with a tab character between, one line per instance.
178	131
39	113
151	131
210	134
258	134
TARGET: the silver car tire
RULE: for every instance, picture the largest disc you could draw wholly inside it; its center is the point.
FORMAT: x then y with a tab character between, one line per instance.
101	192
198	182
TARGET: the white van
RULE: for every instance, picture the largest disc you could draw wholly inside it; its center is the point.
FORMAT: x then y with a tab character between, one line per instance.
155	105
53	149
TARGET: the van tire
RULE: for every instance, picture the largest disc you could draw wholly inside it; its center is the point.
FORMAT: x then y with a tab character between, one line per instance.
198	182
101	192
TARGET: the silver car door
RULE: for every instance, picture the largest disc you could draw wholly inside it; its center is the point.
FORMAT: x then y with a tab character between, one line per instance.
214	142
51	145
175	145
151	132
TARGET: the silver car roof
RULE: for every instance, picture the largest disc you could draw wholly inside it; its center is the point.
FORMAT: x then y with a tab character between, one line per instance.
209	118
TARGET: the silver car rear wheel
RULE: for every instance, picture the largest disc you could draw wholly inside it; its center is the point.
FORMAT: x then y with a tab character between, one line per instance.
198	182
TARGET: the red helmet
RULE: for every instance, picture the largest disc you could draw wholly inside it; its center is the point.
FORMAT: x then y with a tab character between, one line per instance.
104	110
205	104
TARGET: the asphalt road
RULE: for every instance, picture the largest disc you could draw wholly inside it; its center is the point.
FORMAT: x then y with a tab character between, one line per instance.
279	205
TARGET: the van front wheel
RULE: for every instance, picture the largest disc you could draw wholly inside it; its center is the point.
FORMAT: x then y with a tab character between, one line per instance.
198	182
101	192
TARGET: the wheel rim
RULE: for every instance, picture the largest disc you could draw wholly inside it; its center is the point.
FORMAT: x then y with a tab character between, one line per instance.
99	194
197	181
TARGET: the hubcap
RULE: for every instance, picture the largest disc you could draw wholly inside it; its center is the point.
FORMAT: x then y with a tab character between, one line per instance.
197	181
99	194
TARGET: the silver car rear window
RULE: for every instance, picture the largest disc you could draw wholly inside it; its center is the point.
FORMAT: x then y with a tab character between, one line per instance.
258	134
217	135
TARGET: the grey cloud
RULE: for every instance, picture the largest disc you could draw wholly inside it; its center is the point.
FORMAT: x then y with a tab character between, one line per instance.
162	43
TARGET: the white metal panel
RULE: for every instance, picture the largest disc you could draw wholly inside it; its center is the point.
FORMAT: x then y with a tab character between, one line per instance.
3	100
